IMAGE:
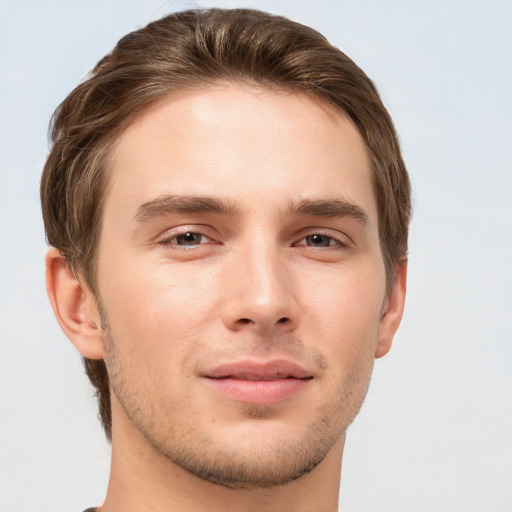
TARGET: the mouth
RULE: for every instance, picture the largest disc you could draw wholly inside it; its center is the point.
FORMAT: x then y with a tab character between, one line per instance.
257	382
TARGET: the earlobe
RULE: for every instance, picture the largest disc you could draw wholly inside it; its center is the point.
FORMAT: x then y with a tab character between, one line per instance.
74	307
393	312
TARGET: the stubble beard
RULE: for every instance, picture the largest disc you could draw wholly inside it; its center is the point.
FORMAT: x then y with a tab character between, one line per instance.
217	460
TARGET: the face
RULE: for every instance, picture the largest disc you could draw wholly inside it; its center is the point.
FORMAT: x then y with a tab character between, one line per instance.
241	282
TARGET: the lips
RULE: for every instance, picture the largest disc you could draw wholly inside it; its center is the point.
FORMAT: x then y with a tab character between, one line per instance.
258	382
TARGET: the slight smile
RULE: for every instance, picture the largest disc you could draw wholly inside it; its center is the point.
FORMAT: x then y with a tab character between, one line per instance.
258	382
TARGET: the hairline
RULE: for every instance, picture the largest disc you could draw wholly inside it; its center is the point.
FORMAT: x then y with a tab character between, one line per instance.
109	144
107	164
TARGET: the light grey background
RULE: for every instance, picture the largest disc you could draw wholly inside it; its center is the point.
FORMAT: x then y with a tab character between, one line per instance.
435	434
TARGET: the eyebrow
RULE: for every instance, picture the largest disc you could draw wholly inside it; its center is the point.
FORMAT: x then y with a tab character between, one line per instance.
338	207
167	204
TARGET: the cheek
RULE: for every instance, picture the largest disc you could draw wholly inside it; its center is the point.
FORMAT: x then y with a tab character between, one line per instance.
156	307
346	304
342	319
155	317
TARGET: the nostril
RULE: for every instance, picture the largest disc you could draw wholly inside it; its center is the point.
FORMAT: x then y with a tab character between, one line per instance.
245	322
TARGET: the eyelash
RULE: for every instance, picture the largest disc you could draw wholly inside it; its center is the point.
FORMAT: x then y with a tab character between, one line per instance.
173	240
333	241
338	241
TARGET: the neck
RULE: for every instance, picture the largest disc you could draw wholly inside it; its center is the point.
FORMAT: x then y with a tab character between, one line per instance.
142	479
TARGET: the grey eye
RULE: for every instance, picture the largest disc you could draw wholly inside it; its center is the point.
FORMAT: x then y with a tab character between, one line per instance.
189	238
318	240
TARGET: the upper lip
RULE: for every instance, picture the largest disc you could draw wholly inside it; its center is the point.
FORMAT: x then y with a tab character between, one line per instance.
258	370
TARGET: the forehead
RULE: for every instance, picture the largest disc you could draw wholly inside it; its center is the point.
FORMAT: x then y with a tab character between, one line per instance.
246	144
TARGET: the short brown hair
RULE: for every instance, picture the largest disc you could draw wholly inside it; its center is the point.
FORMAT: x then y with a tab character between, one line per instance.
190	50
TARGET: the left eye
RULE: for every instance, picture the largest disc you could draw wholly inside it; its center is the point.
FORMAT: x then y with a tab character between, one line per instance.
188	239
319	240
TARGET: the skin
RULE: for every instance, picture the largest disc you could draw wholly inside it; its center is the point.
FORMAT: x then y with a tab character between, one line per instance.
273	274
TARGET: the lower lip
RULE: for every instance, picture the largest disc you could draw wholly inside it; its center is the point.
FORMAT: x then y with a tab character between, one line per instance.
259	391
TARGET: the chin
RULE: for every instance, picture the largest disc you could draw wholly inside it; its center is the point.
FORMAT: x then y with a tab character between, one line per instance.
255	469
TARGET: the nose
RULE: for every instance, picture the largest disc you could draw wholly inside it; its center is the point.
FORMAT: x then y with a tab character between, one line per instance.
259	292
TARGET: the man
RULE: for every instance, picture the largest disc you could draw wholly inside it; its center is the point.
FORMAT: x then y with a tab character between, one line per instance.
227	209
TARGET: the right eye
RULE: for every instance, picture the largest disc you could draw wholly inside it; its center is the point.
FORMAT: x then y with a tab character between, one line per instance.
187	239
319	240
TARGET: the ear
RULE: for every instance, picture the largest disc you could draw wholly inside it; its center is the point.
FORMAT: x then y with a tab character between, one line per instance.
393	310
74	306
